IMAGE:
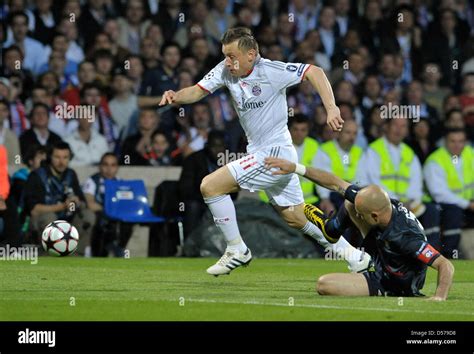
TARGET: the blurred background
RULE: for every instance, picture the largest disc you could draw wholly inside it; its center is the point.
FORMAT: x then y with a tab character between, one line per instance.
91	73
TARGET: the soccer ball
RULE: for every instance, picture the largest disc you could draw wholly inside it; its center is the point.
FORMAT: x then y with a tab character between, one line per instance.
60	238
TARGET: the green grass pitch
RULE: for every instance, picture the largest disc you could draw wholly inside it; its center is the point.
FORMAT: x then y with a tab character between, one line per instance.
158	289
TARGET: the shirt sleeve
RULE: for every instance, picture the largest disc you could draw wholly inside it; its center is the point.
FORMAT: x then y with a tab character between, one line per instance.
418	248
89	187
214	79
438	188
283	75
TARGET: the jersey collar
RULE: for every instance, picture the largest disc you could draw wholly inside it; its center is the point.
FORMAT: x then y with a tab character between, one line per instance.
257	59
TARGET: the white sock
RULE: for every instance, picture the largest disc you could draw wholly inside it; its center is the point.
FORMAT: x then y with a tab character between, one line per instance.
341	248
223	211
311	230
345	250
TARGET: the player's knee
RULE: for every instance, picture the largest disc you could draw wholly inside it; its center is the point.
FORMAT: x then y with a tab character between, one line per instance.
323	286
206	187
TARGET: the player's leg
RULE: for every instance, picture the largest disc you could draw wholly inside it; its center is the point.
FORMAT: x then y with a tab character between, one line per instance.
215	189
345	284
298	217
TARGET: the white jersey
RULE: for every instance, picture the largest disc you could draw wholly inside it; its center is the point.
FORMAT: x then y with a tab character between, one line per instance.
259	99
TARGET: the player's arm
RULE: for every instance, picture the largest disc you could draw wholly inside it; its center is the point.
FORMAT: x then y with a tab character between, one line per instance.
318	176
445	278
187	95
321	84
91	203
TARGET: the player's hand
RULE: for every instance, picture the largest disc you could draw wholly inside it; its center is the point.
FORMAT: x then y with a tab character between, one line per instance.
436	298
284	166
334	119
168	97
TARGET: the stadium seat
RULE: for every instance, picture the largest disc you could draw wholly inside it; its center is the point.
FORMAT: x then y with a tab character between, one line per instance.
126	200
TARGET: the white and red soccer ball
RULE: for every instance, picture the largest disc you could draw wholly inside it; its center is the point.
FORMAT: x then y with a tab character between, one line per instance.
60	238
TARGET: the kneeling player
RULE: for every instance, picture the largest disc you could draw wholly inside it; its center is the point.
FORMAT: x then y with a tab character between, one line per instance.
402	252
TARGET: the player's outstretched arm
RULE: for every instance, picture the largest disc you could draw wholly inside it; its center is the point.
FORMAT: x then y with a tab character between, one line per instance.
187	95
320	82
445	278
321	177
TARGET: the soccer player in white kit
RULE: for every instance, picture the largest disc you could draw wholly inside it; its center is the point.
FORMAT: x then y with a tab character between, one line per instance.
258	90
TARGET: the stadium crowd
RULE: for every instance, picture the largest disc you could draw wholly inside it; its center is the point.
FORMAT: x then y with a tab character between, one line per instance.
402	73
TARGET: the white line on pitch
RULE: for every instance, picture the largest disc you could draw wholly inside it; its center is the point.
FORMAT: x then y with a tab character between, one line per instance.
335	307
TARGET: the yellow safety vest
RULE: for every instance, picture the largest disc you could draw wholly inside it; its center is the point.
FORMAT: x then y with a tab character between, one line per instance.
396	181
310	148
463	188
346	171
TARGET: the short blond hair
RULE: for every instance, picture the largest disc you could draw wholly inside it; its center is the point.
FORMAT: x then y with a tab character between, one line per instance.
243	35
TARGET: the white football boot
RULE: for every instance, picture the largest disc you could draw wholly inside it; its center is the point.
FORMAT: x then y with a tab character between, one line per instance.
362	265
229	261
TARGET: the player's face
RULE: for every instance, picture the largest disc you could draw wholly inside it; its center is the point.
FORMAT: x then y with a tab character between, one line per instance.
238	62
455	143
298	132
109	167
60	160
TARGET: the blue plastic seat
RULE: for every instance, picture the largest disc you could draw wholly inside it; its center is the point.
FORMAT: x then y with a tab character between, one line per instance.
126	200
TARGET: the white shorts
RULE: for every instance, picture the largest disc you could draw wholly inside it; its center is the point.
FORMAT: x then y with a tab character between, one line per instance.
250	173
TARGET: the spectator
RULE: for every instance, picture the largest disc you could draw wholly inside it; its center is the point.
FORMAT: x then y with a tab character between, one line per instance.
161	152
150	53
60	45
74	51
371	94
104	63
87	145
92	19
13	64
328	32
196	136
38	134
168	18
44	21
91	94
105	237
415	100
59	123
218	20
341	157
393	165
373	125
111	41
8	139
33	158
434	94
33	51
467	101
305	16
343	20
449	177
18	121
52	192
124	102
136	147
422	139
133	26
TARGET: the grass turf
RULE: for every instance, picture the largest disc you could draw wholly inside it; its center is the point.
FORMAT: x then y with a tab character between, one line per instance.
157	289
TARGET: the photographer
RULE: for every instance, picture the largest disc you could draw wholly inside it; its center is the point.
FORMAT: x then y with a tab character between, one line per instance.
52	192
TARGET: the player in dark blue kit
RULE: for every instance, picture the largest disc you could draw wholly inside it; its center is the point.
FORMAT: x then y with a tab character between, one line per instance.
402	252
